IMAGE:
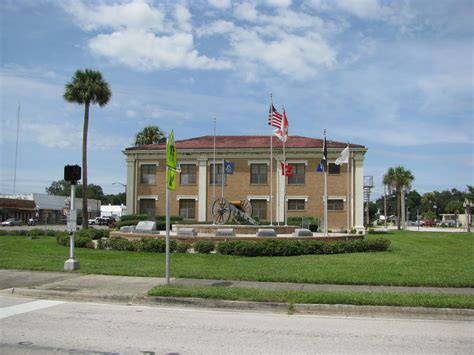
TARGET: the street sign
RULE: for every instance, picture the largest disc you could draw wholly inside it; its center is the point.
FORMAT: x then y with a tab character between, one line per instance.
72	221
171	163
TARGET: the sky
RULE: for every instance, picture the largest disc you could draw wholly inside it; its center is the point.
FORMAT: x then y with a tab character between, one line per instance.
394	76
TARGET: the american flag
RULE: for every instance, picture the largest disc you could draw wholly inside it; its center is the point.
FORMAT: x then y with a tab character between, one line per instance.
274	117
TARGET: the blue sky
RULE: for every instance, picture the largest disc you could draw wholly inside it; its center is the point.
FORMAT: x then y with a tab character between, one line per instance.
395	76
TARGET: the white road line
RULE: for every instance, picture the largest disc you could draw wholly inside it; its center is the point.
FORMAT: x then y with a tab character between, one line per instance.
27	307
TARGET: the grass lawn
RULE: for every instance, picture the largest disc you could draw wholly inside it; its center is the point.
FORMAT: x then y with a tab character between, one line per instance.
314	297
414	259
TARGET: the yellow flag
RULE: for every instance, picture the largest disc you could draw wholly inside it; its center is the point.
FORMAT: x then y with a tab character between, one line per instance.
171	162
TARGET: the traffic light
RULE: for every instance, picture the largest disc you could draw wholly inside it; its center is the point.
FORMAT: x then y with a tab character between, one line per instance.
72	173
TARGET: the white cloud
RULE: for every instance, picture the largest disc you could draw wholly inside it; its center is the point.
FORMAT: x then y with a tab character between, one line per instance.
246	11
220	4
137	14
146	51
279	3
183	18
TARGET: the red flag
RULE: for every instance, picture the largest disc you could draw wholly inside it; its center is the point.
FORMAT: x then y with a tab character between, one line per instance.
282	131
286	170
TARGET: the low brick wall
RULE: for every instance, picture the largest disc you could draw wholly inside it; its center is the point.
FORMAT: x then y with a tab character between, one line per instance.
238	228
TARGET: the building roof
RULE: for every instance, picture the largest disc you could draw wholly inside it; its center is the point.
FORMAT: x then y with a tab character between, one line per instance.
20	204
236	142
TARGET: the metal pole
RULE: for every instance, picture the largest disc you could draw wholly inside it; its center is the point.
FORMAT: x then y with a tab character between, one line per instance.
347	192
352	188
73	208
222	194
325	189
285	204
16	147
385	204
214	171
167	231
418	218
271	178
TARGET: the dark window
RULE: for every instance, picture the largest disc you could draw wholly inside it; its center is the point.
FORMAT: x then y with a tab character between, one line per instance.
296	205
147	206
188	174
335	205
148	174
334	169
259	209
297	176
258	173
218	174
187	209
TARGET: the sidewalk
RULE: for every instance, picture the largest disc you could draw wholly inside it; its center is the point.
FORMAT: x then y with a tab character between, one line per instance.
83	287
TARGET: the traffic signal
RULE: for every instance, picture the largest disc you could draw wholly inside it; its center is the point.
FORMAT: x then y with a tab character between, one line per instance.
72	173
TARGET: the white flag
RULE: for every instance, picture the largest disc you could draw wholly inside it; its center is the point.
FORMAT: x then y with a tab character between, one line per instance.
344	157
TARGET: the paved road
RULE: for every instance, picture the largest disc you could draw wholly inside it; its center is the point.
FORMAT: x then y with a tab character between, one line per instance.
44	327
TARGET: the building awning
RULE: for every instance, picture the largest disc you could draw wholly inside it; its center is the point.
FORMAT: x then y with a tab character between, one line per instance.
18	204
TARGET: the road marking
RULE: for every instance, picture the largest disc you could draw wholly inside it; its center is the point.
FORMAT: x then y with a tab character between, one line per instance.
27	307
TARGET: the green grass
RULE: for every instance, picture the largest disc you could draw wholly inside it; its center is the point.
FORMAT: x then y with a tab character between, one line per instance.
414	259
313	297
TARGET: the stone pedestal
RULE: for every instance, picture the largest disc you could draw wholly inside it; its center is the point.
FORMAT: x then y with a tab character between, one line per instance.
71	264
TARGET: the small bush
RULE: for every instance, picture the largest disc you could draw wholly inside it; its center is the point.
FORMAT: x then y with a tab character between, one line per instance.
204	246
154	245
379	244
133	217
183	247
173	219
92	233
128	222
121	244
80	241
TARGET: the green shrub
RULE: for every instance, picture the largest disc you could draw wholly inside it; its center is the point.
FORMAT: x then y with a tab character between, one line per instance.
204	246
294	247
128	222
62	239
80	241
173	219
133	217
157	245
183	247
93	233
121	244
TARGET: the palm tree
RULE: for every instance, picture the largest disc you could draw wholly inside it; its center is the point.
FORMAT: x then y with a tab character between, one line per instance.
149	135
86	87
398	179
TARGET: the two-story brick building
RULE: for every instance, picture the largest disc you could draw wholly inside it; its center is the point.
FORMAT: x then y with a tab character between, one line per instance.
195	193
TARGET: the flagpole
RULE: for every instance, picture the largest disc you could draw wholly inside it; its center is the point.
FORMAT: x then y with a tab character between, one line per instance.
223	163
347	192
351	157
325	190
271	166
214	171
284	180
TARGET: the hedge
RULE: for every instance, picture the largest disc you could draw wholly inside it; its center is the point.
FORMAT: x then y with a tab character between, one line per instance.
80	241
268	247
32	232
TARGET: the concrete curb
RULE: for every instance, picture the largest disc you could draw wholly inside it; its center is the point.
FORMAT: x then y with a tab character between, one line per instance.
343	310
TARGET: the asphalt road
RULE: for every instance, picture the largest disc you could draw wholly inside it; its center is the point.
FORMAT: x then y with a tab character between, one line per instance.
44	327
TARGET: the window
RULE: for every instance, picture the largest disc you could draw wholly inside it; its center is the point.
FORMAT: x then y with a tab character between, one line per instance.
297	174
148	174
218	174
259	209
188	174
258	173
335	205
296	205
334	169
147	206
187	209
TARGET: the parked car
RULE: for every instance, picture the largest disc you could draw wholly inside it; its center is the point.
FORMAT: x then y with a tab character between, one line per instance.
427	223
32	222
100	221
10	222
110	221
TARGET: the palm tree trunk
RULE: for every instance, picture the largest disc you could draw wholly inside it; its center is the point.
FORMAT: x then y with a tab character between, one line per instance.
399	203
85	222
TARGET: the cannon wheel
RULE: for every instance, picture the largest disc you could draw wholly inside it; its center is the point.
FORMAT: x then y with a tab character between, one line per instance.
220	211
246	206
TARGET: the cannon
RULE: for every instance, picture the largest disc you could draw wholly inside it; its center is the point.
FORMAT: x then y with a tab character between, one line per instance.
239	210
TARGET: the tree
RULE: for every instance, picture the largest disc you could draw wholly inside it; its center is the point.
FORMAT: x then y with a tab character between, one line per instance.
413	202
63	188
398	179
468	201
87	87
118	199
149	135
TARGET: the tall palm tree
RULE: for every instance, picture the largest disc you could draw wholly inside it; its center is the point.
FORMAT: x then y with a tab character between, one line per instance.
149	135
86	87
398	179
